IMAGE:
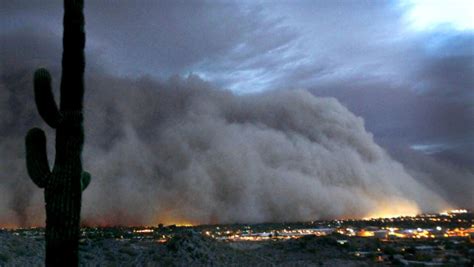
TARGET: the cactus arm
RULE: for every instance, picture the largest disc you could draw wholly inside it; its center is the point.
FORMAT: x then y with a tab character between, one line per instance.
85	180
36	157
73	62
44	98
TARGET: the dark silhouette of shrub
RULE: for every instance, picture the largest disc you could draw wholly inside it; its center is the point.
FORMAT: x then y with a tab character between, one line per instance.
63	185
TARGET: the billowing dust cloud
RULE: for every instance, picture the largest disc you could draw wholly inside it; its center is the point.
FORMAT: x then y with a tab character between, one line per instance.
181	151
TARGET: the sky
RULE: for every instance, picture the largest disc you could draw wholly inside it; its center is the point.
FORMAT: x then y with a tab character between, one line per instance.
405	67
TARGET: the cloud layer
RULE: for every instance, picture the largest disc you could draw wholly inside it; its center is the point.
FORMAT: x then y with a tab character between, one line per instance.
363	53
187	152
149	139
183	151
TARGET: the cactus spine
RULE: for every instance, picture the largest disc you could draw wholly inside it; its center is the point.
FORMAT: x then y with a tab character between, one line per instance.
63	185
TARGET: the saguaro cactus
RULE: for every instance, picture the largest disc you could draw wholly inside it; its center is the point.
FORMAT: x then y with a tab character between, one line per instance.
63	185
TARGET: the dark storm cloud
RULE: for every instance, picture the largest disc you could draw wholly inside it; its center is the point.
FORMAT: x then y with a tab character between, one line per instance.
428	107
141	37
413	89
183	151
243	46
447	66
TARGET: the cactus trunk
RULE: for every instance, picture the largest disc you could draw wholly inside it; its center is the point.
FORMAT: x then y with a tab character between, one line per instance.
63	185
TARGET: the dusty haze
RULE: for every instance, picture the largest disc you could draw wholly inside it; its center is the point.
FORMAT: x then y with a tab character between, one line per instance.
181	151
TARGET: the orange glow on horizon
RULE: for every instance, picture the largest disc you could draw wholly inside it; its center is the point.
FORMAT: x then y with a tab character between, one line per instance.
364	233
403	208
9	226
394	210
167	219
